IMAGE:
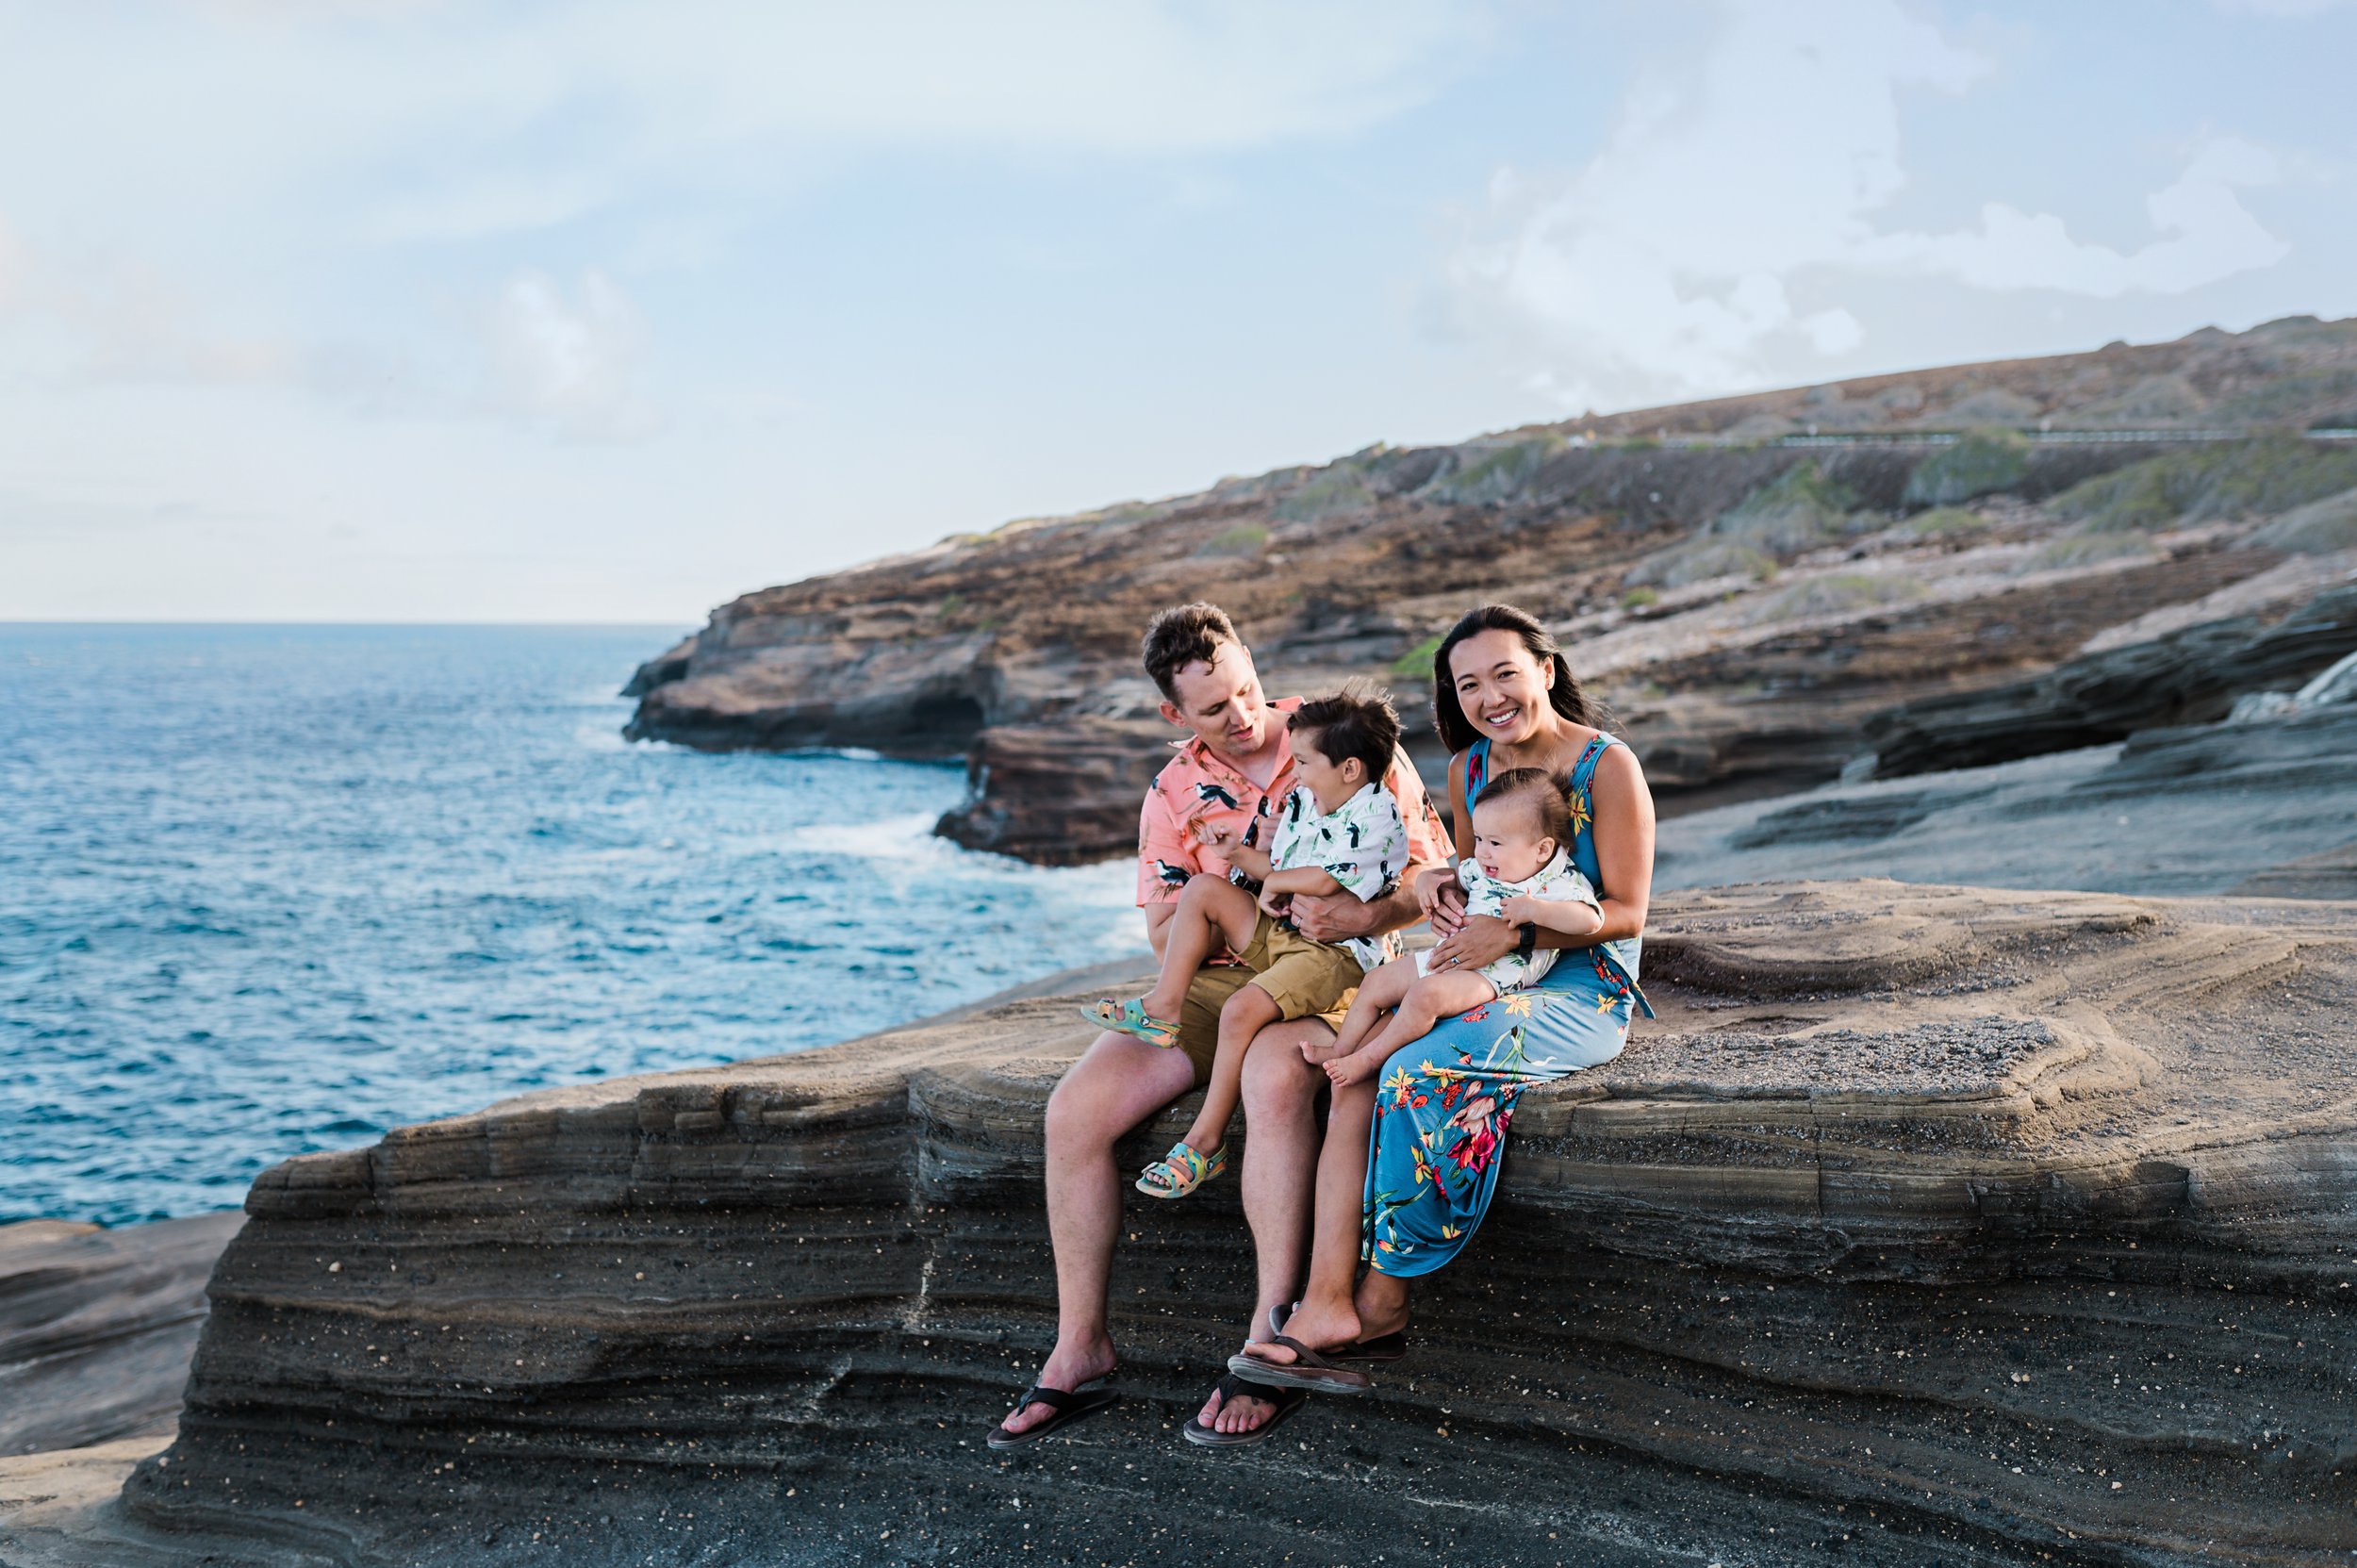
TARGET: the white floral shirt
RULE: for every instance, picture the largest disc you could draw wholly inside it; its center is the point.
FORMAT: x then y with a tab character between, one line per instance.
1559	881
1363	844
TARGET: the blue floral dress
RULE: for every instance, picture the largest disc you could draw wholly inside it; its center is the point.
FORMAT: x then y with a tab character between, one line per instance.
1429	1180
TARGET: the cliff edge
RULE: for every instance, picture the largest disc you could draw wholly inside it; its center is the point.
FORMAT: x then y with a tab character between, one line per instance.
1764	588
1928	1224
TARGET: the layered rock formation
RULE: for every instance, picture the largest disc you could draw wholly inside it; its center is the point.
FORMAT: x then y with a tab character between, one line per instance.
2190	676
1927	1225
97	1325
1746	600
2265	808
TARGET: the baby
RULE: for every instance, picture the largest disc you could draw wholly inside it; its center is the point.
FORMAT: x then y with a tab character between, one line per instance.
1339	833
1522	871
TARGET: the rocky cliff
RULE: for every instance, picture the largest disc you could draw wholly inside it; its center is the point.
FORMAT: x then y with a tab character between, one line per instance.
1750	582
97	1325
1927	1225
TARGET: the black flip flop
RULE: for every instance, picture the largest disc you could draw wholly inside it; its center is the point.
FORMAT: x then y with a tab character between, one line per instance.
1307	1369
1287	1400
1069	1407
1379	1351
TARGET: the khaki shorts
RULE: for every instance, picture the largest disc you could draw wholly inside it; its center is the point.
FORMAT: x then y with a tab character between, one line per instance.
1305	980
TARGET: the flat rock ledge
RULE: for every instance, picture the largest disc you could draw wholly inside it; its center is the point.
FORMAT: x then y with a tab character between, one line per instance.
1927	1225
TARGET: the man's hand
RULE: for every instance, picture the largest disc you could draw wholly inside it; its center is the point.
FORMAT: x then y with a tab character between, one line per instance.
1482	939
1332	916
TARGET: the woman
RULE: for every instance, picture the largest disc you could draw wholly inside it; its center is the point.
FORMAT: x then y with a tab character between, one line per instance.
1409	1170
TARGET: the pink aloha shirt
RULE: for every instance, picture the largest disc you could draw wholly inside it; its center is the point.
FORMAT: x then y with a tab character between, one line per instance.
1199	785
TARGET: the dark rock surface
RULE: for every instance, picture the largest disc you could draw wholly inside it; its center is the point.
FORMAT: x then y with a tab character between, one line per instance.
2188	677
1928	1225
97	1325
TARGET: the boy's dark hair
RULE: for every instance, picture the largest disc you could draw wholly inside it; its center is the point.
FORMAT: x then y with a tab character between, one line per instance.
1545	793
1185	634
1345	726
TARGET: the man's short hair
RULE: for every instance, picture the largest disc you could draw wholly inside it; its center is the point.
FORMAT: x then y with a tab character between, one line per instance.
1345	726
1542	793
1185	634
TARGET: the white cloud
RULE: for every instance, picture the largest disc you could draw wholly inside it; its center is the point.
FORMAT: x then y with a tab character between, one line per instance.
1667	265
569	364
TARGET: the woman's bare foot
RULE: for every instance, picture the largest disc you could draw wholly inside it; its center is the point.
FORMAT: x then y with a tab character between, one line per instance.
1246	1411
1319	1325
1066	1367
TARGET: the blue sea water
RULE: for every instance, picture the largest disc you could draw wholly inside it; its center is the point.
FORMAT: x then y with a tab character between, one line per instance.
268	890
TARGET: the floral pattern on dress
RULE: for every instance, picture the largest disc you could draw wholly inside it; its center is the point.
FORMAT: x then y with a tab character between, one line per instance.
1444	1103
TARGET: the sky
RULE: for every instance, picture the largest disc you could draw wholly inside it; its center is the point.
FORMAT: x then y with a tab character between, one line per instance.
573	310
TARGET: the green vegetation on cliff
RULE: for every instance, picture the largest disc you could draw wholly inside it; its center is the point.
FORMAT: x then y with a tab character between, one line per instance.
2233	479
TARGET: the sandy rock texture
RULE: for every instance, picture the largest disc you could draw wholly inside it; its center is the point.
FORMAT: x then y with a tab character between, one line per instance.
97	1325
1927	1225
1747	607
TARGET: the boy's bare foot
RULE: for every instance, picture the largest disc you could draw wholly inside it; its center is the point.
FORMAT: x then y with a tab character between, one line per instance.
1067	1368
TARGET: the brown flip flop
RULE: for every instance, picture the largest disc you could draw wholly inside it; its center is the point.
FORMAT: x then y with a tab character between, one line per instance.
1069	1406
1286	1400
1307	1369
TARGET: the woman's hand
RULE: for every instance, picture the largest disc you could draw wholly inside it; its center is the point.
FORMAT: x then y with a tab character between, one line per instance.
1479	940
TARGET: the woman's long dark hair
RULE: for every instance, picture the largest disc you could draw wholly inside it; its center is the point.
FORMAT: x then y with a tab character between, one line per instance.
1567	697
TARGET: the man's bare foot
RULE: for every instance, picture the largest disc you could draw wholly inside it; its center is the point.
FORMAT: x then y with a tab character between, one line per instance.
1067	1368
1244	1412
1317	1325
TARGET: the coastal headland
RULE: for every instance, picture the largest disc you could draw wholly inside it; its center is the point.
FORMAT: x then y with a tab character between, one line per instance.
1938	570
1927	1224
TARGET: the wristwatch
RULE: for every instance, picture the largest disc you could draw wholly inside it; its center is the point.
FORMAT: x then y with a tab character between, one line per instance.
1526	940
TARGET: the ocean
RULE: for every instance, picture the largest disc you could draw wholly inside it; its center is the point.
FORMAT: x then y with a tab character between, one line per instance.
266	890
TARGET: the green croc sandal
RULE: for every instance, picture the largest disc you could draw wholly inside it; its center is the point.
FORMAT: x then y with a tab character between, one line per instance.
1180	1171
1131	1017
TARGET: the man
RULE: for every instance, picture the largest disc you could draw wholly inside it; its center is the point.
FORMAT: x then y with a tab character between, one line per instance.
1237	757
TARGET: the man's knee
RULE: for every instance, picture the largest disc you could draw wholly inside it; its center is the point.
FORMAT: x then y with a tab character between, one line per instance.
1276	1075
1078	1114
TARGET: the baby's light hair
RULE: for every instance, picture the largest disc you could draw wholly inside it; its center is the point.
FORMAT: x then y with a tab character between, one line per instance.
1542	791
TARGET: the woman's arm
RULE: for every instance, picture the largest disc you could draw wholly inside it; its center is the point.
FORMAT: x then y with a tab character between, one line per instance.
1624	835
1438	891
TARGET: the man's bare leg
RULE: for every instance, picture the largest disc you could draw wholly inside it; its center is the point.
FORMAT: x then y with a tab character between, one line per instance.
1281	1093
1116	1084
1329	1316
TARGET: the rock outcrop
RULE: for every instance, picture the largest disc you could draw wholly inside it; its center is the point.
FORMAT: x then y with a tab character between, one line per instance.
1927	1225
1746	600
2262	808
97	1325
2188	677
